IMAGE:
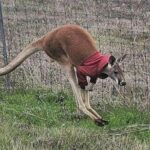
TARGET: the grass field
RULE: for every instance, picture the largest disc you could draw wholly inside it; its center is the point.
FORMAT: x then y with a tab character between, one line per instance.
48	120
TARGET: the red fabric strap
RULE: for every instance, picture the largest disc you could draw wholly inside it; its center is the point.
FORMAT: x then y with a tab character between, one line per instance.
92	67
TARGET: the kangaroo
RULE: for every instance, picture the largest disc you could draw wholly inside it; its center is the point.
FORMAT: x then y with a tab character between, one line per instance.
75	50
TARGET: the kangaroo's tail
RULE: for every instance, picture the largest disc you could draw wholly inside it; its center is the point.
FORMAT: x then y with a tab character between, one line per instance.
35	46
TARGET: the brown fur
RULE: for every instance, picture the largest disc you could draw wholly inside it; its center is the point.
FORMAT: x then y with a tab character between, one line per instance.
69	42
69	45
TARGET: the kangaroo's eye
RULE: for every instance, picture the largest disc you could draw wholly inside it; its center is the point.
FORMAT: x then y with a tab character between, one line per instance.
116	72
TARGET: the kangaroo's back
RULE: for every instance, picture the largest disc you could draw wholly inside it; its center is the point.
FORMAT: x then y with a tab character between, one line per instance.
69	42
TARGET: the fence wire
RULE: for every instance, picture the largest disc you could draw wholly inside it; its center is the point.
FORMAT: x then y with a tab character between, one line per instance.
119	27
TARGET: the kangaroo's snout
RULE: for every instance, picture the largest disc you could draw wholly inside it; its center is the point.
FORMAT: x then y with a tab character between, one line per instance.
122	83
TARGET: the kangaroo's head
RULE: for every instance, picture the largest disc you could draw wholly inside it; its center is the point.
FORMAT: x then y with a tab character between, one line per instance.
114	71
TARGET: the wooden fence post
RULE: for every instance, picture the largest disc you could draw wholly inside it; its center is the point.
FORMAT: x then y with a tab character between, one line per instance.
4	48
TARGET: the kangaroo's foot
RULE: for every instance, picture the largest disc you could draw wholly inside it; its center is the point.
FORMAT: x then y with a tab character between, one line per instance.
101	122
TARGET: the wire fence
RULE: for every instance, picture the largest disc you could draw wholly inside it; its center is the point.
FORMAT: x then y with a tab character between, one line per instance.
119	27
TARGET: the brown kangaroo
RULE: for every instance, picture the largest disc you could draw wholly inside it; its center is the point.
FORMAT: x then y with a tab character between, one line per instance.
75	50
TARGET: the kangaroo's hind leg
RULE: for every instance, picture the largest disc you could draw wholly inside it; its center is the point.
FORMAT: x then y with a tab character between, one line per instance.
85	97
77	91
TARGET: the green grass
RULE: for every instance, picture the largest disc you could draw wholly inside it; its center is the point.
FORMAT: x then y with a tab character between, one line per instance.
48	120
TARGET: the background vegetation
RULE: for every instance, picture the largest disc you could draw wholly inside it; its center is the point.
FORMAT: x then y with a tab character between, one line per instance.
38	112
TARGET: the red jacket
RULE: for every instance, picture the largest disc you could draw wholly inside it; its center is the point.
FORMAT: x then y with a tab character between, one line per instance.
92	67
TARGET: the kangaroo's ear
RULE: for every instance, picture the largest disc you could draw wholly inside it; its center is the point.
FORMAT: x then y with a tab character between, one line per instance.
119	60
112	60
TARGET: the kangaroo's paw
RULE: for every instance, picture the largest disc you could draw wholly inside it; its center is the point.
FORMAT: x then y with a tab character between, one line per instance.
101	122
